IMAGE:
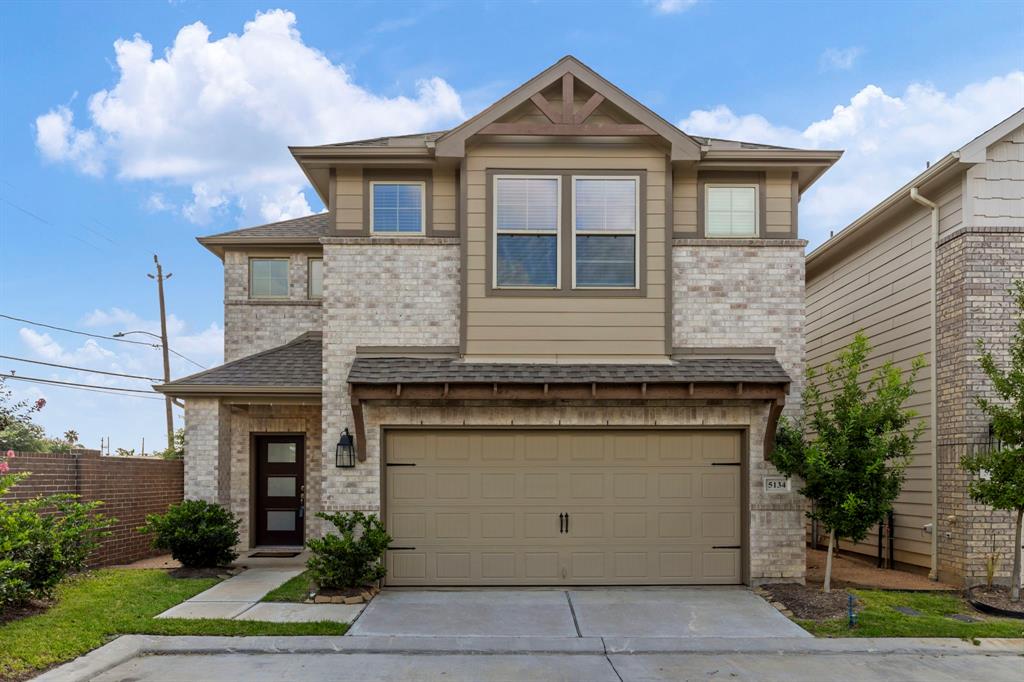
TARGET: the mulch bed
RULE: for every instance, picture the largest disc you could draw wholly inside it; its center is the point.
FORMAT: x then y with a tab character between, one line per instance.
809	602
12	613
212	572
995	600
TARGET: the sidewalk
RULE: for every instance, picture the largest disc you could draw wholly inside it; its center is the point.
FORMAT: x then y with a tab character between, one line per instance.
238	598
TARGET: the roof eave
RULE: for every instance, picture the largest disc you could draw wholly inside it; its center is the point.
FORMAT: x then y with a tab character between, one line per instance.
937	172
211	390
217	245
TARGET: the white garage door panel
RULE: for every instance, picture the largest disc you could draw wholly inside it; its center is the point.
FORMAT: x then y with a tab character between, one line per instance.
644	507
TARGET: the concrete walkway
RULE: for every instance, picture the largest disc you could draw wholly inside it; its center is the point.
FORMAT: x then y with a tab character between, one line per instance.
238	598
684	612
271	659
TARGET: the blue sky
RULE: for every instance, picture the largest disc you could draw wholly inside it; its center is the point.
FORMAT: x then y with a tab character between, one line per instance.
131	128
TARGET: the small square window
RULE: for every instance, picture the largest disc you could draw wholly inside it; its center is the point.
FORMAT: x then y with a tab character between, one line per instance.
316	277
731	211
268	278
397	207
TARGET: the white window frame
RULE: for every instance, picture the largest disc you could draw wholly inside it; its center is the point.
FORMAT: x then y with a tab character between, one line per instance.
757	209
557	232
288	278
423	207
309	278
636	233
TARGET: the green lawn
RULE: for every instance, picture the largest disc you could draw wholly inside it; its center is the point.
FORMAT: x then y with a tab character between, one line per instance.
296	589
94	607
879	619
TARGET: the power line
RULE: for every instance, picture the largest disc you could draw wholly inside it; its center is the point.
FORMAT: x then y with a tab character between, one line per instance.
80	369
75	331
109	390
100	336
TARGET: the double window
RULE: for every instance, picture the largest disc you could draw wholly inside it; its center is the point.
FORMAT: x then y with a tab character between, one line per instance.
731	211
397	207
602	237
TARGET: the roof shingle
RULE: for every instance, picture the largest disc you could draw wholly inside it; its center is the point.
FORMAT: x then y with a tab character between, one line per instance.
313	226
391	370
298	363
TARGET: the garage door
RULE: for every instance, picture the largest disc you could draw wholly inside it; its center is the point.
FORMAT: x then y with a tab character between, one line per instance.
563	507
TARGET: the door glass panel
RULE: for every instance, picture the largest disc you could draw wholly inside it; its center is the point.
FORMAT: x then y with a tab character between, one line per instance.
281	452
281	486
280	520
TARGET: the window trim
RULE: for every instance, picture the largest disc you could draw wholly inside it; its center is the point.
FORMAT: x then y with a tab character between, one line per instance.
422	184
757	208
635	233
288	278
309	278
556	233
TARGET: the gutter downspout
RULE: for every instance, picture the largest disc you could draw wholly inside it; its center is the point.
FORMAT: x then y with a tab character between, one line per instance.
933	372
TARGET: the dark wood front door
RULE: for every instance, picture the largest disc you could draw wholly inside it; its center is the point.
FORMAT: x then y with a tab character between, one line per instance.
280	490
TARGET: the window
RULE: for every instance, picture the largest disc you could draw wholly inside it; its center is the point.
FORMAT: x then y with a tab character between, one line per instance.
268	278
526	224
397	207
731	211
316	277
605	225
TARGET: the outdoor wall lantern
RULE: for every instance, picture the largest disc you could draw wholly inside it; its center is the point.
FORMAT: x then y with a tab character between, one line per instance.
345	451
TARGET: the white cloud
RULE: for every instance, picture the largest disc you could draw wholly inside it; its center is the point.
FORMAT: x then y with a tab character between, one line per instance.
839	59
217	115
156	203
887	138
44	347
670	6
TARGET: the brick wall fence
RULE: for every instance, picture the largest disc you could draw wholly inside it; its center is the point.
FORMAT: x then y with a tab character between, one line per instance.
129	487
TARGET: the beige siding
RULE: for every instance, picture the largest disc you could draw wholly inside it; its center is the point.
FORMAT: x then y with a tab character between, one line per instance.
779	199
444	200
349	199
994	190
548	327
684	202
884	289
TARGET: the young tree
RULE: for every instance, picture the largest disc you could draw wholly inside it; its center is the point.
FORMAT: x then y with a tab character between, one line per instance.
1002	484
852	447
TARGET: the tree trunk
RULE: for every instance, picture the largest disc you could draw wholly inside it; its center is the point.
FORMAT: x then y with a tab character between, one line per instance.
1015	576
828	561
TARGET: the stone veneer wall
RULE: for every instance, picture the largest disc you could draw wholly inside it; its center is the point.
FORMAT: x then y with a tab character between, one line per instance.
776	527
742	293
251	326
378	292
976	267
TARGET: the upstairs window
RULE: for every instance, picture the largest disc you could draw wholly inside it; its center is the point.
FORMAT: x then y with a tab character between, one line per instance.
527	212
397	207
268	278
316	278
606	220
731	211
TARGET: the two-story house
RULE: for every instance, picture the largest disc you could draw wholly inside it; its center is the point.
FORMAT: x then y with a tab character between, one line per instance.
927	272
558	336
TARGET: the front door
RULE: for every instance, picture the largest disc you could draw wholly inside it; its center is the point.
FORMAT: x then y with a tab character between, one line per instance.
280	490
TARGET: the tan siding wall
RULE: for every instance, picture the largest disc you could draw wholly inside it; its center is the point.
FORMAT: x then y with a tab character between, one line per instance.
349	199
564	326
444	200
884	290
779	199
994	190
684	202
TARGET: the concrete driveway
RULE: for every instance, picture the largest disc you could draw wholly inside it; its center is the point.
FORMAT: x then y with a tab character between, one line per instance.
620	612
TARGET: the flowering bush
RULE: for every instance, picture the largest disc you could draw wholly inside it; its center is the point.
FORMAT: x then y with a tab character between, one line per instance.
43	539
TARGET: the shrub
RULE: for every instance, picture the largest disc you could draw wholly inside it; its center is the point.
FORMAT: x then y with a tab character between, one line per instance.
353	558
198	534
43	540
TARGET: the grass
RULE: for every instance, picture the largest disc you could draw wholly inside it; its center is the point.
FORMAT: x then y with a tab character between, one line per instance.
94	607
296	589
878	618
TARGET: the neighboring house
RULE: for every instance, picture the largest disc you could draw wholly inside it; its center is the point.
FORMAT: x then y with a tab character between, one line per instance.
561	335
876	275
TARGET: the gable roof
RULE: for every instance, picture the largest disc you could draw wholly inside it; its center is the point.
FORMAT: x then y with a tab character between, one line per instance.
863	228
306	230
296	368
453	142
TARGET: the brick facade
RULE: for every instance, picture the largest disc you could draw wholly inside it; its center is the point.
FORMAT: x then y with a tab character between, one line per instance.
129	487
742	293
976	267
251	326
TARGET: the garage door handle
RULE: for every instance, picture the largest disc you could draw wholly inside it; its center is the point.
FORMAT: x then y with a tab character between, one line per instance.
396	549
725	464
561	523
726	547
567	522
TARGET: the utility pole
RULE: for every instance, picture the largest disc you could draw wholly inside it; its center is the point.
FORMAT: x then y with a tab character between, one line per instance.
160	277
